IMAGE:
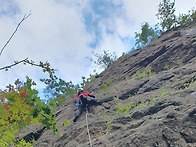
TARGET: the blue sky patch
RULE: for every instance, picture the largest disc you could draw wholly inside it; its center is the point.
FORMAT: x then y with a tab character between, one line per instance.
98	12
8	8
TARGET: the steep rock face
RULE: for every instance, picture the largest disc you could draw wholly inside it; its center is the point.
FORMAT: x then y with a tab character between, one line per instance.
155	110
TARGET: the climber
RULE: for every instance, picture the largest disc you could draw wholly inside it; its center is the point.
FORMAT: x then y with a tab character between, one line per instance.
81	101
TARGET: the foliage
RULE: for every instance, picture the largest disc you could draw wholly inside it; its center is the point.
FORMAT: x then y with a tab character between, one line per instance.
166	15
149	70
186	83
66	122
140	75
23	143
20	106
107	121
184	19
118	75
145	73
124	108
130	108
166	67
163	92
106	86
153	99
57	90
167	19
125	55
89	79
104	60
147	35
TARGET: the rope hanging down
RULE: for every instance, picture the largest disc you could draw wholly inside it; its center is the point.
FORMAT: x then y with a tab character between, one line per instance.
89	137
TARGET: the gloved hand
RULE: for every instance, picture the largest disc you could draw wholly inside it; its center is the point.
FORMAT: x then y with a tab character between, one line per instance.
88	99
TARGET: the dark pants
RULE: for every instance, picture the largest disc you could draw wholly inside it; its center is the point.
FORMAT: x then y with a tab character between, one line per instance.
81	104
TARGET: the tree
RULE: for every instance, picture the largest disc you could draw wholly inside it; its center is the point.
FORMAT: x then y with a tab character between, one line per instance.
147	35
166	15
57	90
184	19
104	60
20	106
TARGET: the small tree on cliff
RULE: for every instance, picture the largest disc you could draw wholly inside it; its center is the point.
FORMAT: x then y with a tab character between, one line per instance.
184	19
147	35
166	14
104	60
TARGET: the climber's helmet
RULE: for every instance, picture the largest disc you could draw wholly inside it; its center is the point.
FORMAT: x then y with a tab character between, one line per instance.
80	90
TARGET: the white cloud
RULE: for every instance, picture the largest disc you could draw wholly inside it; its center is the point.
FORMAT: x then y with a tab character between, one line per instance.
61	32
183	7
141	11
54	33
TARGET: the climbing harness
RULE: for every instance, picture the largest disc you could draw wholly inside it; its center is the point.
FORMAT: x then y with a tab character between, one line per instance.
89	137
79	102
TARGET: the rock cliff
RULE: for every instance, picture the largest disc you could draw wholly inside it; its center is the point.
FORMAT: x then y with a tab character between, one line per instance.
149	99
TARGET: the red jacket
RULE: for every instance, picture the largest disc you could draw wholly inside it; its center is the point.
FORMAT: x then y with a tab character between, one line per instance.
83	94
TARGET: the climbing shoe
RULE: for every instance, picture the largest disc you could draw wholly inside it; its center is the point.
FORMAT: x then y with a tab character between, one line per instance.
75	119
99	102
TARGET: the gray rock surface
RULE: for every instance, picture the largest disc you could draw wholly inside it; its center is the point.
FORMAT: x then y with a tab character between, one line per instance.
162	110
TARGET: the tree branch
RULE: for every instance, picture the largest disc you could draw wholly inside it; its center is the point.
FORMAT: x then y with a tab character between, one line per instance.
25	17
44	66
15	63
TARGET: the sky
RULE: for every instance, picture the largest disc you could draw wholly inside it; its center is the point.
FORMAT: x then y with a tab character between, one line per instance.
65	32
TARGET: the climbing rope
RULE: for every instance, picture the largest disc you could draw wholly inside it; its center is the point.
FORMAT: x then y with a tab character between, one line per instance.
89	137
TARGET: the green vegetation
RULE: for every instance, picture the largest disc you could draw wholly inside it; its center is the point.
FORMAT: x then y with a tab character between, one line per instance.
106	86
66	122
123	57
100	133
107	121
23	143
163	92
89	79
57	90
141	75
166	67
117	76
133	106
184	19
127	79
153	99
20	106
104	60
147	35
167	20
149	71
166	15
127	109
187	83
124	108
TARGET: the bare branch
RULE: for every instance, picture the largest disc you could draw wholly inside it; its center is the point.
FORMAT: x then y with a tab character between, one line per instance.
25	17
44	66
15	63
